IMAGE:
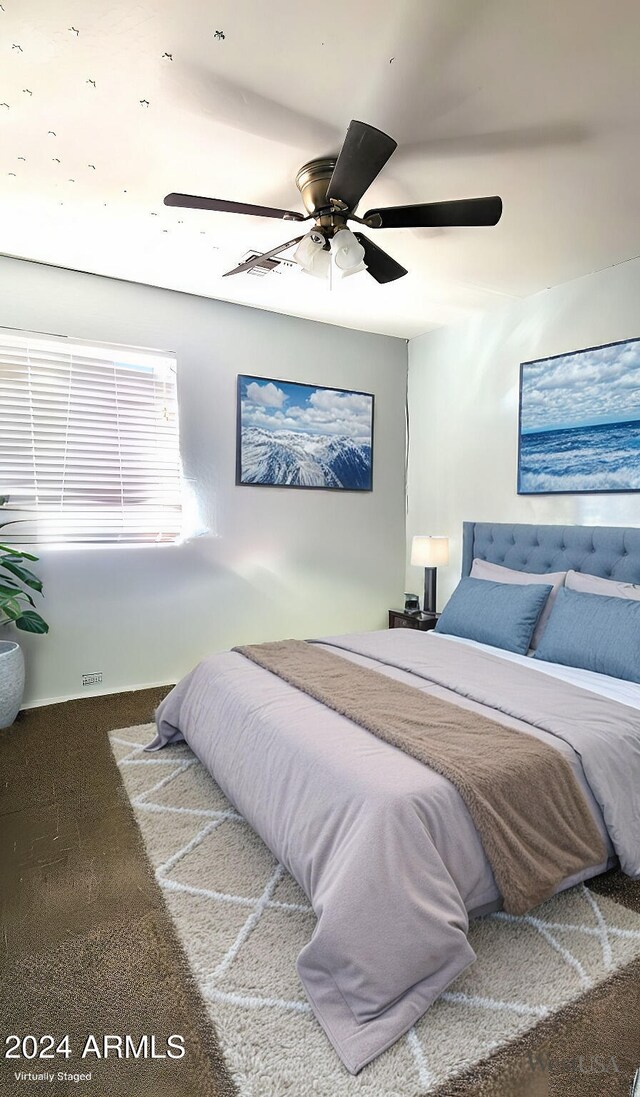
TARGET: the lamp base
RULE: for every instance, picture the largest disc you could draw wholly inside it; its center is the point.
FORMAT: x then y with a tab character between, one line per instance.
429	604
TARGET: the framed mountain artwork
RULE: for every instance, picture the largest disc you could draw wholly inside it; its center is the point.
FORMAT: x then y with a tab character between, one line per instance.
291	435
579	425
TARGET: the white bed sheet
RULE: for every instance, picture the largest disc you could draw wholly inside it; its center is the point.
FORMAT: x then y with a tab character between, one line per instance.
626	693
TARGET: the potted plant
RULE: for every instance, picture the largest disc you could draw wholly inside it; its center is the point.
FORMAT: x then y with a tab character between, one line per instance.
16	582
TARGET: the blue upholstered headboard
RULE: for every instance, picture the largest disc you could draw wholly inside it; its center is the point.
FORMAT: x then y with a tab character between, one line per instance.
612	552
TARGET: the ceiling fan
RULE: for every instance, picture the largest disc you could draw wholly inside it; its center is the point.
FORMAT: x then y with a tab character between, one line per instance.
331	189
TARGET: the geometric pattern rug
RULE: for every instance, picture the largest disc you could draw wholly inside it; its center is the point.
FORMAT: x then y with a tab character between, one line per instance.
242	920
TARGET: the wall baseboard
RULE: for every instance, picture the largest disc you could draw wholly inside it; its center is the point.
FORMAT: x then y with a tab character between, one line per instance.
93	693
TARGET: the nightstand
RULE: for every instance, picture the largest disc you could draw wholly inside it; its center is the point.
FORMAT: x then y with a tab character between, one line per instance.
421	621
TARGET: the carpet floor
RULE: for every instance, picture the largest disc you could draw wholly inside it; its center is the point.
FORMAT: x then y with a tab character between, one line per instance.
242	921
87	944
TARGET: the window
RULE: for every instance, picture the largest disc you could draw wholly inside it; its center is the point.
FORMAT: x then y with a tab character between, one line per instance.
88	442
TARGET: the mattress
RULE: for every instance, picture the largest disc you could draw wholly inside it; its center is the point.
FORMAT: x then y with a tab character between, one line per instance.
383	846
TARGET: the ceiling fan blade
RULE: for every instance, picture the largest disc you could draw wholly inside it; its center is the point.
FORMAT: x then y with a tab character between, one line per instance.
380	265
467	211
364	153
191	201
259	258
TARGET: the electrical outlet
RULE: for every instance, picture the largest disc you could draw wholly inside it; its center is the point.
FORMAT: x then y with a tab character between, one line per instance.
92	679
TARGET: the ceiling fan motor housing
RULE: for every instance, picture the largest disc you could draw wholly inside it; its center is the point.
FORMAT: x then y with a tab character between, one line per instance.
312	181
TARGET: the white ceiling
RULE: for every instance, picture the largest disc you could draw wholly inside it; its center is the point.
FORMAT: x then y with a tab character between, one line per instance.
535	101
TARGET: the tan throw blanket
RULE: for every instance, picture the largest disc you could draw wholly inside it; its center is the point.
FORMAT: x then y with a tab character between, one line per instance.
531	815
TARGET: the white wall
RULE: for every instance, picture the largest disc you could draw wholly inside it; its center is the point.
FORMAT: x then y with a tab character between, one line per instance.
282	562
463	398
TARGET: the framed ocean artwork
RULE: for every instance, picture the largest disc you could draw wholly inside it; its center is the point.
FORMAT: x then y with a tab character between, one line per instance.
579	424
291	435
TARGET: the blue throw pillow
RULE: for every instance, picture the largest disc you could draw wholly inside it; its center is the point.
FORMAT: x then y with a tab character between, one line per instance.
501	614
595	632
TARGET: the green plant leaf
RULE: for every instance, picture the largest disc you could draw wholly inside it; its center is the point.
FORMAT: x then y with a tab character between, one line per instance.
24	574
31	622
17	552
11	590
6	584
11	608
10	594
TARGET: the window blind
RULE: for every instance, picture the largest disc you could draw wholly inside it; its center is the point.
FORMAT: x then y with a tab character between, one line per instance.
89	448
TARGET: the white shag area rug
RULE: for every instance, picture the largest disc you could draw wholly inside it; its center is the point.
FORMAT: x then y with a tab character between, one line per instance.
242	921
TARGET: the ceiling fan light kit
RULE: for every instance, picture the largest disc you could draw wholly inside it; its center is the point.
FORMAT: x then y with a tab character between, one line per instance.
331	189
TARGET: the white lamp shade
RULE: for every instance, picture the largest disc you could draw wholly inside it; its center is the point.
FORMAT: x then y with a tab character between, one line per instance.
430	552
320	265
311	256
348	253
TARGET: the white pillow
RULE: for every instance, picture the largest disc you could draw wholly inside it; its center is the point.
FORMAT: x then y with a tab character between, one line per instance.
483	569
593	584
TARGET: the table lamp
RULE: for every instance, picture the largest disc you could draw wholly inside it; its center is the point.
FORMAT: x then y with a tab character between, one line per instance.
430	553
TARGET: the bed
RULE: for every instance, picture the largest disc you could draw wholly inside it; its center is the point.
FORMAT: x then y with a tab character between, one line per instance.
384	846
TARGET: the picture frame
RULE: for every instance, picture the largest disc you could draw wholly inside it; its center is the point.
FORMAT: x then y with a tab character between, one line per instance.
290	434
579	421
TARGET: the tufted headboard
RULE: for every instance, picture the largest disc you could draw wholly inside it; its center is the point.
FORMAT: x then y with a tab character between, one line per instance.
612	552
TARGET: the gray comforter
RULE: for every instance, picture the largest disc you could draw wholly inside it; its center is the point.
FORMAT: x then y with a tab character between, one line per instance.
383	846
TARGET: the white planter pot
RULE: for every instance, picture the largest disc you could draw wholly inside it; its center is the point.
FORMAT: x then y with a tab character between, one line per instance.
11	681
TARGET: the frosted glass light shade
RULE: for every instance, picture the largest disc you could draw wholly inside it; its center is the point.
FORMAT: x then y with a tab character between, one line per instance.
320	265
430	552
311	256
348	253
